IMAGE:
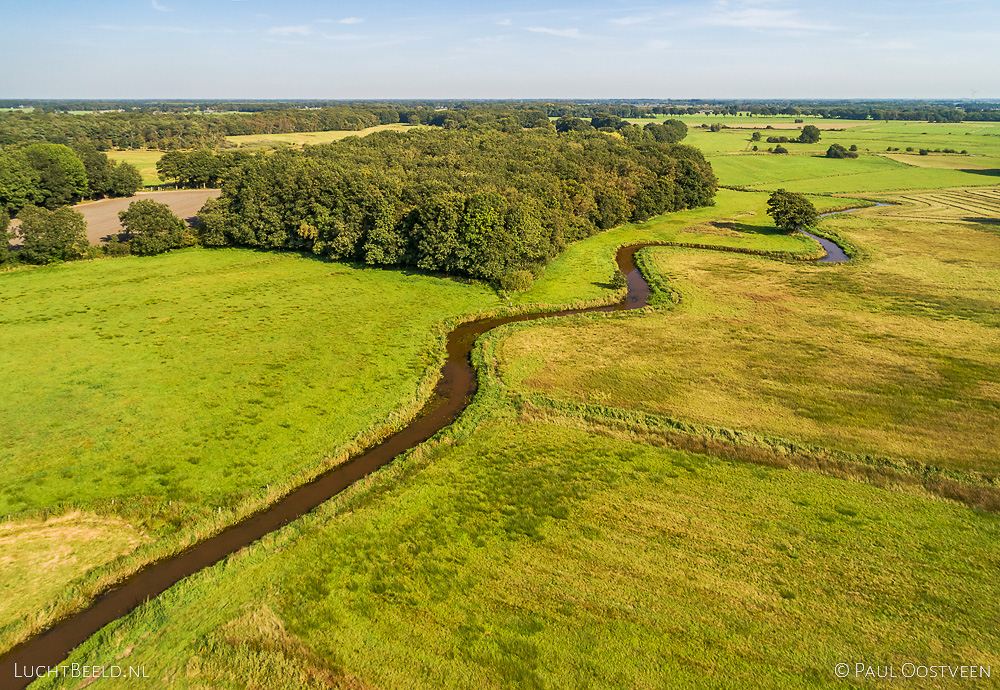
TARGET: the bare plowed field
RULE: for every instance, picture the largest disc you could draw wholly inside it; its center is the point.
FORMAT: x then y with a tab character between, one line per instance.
102	216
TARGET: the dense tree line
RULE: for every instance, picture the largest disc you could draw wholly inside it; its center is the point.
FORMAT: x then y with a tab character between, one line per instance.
483	203
53	175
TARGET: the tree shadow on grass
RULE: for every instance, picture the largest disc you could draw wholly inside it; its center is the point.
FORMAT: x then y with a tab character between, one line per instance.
988	172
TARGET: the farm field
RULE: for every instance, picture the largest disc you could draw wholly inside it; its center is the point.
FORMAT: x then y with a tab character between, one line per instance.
102	215
896	356
806	170
531	545
534	555
177	392
144	160
301	138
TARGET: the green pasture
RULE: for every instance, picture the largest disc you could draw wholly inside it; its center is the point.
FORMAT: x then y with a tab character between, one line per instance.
149	401
584	271
144	160
895	356
177	392
805	168
531	555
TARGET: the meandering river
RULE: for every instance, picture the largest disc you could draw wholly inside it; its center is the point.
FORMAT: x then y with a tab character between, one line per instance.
452	395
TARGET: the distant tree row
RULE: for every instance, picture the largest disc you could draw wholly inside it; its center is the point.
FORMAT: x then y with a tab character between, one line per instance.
486	204
53	175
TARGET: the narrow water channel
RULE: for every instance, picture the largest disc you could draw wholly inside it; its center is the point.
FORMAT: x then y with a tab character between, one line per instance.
451	396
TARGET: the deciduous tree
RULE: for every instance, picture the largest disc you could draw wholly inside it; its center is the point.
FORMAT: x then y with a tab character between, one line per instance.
153	227
791	211
49	236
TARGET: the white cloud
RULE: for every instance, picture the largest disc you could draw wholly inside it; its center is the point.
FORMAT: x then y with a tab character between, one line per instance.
629	21
504	22
351	20
747	16
658	45
564	33
157	6
298	30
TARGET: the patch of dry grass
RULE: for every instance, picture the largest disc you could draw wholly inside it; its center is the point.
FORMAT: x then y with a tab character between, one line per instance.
39	558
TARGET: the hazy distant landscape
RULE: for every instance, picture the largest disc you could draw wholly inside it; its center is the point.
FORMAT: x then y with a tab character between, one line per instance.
316	381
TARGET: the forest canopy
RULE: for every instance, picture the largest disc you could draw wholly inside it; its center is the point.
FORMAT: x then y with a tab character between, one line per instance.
479	203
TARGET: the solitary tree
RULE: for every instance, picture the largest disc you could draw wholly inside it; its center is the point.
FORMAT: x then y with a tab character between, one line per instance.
791	211
809	135
153	227
48	236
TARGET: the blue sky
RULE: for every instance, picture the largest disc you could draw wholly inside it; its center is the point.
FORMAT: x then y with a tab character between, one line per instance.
518	49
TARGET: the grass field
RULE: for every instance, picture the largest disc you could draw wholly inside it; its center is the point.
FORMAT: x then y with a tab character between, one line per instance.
300	138
896	356
174	387
529	546
536	556
144	160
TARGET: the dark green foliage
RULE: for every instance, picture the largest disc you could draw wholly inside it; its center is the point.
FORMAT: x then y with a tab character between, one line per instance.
670	131
62	177
483	204
755	136
104	176
780	149
854	147
123	180
607	120
517	281
116	247
198	169
838	151
777	140
18	182
566	123
49	236
715	127
791	211
153	227
809	135
5	236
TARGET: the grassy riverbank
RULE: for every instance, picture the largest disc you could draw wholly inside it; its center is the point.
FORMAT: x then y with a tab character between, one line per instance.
532	555
190	388
895	356
178	392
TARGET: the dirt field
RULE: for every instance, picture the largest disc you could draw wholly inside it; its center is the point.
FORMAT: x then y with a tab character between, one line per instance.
102	216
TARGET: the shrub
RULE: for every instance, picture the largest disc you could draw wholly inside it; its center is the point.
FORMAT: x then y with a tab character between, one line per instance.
117	248
780	149
517	281
838	151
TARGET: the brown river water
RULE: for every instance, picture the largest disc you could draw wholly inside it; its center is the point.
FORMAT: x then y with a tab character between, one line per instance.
452	395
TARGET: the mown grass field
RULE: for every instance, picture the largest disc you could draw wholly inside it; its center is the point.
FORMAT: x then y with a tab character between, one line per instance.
895	356
536	556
